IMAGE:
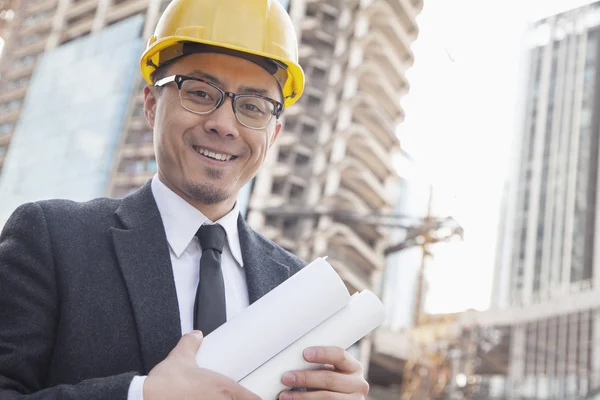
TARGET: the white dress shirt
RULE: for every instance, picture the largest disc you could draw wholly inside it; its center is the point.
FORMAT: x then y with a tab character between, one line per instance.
181	221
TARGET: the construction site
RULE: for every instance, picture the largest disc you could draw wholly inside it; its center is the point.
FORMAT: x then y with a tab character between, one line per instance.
330	186
540	339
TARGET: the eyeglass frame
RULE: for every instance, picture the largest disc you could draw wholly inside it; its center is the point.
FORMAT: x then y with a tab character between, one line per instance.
179	79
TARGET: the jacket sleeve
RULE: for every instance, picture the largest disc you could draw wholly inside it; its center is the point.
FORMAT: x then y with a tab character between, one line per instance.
29	313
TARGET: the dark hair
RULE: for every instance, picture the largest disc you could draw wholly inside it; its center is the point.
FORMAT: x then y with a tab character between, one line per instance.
158	74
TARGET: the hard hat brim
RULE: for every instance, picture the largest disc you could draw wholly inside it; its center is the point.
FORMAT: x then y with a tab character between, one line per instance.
294	85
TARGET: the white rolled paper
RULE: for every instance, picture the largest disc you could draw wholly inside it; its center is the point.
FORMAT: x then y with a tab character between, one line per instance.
363	314
277	319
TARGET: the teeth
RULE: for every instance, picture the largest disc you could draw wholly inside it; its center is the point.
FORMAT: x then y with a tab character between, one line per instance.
216	156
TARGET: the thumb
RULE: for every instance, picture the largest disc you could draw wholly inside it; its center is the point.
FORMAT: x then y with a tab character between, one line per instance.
188	345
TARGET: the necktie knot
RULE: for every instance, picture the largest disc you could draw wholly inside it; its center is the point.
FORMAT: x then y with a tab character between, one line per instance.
211	237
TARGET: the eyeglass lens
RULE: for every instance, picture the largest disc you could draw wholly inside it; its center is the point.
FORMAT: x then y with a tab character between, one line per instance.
201	97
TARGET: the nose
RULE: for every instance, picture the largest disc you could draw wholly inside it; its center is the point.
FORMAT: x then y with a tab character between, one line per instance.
222	121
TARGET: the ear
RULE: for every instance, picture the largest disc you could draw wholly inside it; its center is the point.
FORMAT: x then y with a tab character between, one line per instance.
150	97
278	126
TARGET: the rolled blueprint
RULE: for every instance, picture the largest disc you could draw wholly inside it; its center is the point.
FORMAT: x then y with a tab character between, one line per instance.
276	320
363	314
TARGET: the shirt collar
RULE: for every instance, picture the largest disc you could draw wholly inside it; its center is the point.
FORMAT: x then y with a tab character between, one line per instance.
182	220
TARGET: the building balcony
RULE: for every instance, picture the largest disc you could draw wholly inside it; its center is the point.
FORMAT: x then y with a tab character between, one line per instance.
287	139
366	112
346	246
10	116
33	48
16	72
137	123
295	110
387	102
81	8
357	177
274	201
355	282
306	52
396	85
395	344
362	145
418	5
407	14
39	26
5	139
313	30
13	94
378	49
345	199
138	151
125	179
126	9
41	6
77	30
281	170
383	19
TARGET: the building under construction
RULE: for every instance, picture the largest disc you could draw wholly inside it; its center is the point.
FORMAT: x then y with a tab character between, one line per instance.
71	120
545	318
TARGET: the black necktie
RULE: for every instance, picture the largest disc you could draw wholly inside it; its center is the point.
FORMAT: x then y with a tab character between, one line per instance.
209	307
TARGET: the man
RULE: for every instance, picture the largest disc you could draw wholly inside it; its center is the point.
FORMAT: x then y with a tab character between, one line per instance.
106	299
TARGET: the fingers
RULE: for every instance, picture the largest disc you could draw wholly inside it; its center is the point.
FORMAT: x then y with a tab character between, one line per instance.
188	346
319	395
323	380
336	356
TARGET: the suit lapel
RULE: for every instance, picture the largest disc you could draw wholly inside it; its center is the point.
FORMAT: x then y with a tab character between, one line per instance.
143	254
263	273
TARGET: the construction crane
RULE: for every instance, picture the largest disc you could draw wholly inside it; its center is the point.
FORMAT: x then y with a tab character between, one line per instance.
430	368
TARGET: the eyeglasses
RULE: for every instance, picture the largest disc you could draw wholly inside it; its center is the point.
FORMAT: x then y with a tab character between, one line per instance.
202	97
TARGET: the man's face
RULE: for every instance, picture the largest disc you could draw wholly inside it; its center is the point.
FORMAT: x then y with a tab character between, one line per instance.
180	136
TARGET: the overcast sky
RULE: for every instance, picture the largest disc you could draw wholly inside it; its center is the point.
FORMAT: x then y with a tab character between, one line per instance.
461	119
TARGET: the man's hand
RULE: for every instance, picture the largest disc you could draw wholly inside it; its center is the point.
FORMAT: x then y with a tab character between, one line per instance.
341	378
178	377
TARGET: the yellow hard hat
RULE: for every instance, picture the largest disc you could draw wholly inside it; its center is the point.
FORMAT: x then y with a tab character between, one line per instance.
255	29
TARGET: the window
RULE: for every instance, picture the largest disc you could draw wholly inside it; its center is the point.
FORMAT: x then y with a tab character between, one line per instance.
308	129
318	76
301	160
283	156
277	187
290	223
296	191
271	220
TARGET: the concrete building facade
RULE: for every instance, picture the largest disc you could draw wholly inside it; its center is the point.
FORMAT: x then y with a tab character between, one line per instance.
548	274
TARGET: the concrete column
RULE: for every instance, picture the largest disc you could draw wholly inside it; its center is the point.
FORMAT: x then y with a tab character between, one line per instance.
516	366
595	351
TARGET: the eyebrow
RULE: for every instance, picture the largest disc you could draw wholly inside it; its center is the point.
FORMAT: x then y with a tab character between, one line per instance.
216	81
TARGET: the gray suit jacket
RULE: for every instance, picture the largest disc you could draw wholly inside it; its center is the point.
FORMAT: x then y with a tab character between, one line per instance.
87	295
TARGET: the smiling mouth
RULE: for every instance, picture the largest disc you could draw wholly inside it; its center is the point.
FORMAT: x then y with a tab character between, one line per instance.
214	156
